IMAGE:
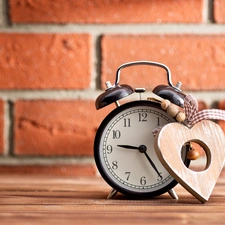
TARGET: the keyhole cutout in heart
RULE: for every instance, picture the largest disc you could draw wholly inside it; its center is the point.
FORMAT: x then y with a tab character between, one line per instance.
197	156
209	135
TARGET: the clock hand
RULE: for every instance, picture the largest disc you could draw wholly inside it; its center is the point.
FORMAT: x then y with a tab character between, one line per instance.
152	164
142	149
128	147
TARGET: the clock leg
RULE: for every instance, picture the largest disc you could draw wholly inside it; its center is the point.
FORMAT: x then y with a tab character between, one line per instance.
173	194
112	193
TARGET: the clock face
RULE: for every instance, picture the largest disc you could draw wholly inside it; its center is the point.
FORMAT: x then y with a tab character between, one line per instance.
124	150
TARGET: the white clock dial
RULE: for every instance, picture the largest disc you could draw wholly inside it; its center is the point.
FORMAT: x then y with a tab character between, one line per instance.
124	149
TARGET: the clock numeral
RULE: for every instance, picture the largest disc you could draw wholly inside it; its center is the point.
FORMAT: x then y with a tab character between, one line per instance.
142	117
109	149
116	134
143	181
126	122
158	121
128	175
114	165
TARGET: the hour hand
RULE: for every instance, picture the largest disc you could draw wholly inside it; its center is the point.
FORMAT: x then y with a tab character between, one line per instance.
128	147
141	148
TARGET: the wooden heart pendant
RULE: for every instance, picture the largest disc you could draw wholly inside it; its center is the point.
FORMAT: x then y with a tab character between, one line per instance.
209	135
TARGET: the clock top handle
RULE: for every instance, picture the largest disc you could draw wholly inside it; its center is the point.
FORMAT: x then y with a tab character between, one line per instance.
116	92
150	63
170	92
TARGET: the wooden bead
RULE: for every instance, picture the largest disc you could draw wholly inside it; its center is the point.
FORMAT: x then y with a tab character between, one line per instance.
165	103
172	110
193	154
180	117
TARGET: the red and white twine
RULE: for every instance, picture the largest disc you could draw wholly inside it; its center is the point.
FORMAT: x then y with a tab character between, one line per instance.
194	116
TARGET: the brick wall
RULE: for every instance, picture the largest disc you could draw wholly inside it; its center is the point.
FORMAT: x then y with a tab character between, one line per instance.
55	57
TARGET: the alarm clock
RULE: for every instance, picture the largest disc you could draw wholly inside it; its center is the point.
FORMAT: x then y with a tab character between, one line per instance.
124	143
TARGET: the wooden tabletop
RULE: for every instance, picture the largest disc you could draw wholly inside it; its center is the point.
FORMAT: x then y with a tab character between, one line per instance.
77	200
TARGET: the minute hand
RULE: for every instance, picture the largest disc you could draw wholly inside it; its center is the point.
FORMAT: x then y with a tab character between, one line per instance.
152	164
142	149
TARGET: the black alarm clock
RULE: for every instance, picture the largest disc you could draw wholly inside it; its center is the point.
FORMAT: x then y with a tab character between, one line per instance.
124	143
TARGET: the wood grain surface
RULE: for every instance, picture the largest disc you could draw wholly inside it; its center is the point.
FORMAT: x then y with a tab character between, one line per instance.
77	200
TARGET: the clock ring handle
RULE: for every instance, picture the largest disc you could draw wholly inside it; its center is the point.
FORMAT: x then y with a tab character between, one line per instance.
151	63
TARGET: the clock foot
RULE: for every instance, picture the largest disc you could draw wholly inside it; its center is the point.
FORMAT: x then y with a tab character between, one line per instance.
112	193
173	194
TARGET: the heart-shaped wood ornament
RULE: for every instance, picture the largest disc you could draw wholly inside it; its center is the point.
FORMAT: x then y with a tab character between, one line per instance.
209	135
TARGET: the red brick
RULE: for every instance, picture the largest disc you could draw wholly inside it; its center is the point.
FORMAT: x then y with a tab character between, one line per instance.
56	128
195	60
104	11
45	61
219	9
202	105
51	170
1	126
